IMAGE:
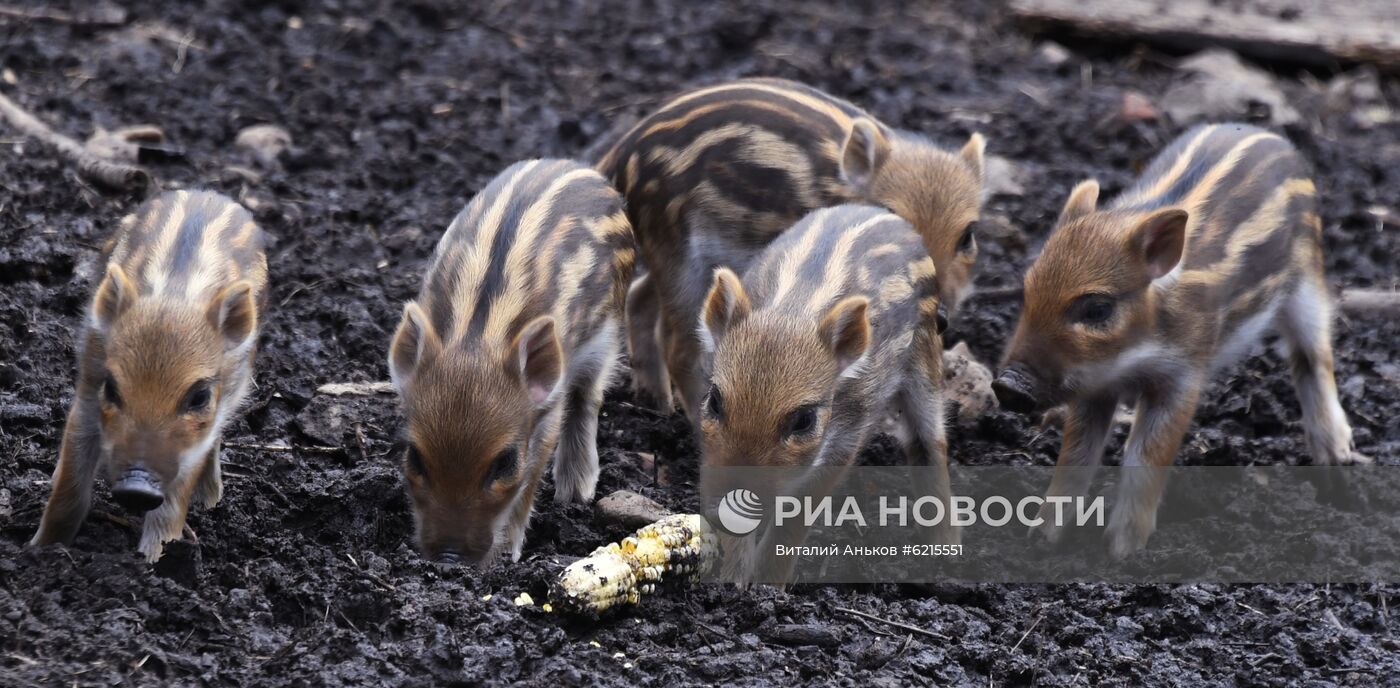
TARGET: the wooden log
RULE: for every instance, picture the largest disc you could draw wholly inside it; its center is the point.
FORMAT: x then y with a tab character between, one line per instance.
111	174
1306	31
1365	301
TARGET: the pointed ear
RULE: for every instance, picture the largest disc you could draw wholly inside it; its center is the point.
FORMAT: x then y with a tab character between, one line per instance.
845	330
1160	240
725	306
973	153
1083	199
864	154
235	315
539	359
413	342
114	295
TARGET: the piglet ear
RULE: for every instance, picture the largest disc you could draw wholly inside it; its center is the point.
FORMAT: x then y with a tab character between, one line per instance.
725	306
539	359
234	314
846	333
114	295
1083	199
1161	239
974	154
864	154
413	342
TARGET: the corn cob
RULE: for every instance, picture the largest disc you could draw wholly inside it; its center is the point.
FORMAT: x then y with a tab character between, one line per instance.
676	549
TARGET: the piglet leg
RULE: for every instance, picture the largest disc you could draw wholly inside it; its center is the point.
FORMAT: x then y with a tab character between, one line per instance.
1163	416
72	479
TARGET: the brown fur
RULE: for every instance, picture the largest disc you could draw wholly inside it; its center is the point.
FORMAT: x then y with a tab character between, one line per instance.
827	335
1142	300
174	319
716	174
503	358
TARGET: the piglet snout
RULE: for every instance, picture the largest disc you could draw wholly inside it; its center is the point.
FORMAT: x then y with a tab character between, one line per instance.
138	491
1015	390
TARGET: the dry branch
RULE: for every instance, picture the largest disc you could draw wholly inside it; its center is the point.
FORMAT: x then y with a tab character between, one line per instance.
890	622
110	174
1369	301
1314	32
363	389
100	15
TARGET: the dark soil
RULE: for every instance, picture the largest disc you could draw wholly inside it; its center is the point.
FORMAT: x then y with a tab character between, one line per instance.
306	573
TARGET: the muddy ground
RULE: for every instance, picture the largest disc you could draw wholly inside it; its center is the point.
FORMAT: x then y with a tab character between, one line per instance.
305	574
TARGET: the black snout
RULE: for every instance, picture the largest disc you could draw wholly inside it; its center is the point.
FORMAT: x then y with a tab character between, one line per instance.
1016	390
942	318
449	558
138	491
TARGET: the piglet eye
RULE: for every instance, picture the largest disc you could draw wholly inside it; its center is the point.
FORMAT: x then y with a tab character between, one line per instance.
801	422
414	460
968	241
110	393
198	398
714	403
1093	310
503	466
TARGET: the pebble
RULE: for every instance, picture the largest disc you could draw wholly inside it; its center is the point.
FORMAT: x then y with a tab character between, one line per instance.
630	509
265	141
969	383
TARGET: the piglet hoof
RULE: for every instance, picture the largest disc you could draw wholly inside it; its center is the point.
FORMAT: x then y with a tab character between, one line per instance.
1125	538
1050	532
1351	457
575	478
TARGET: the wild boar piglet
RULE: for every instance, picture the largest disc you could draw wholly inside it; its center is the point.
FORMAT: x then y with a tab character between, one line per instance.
831	333
1140	301
503	358
717	173
166	360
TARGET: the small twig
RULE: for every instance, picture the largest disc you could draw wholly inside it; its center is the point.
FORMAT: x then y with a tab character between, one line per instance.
1035	623
283	448
877	631
643	410
116	518
1369	301
114	175
373	577
102	15
340	389
361	442
712	629
1350	670
890	622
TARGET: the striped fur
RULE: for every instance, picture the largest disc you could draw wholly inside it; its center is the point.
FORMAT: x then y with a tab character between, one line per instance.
715	174
506	352
1218	242
174	321
829	334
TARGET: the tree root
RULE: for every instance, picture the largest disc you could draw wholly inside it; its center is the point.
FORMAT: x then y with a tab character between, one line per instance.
110	174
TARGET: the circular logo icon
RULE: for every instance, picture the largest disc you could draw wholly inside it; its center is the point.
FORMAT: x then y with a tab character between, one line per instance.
740	512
